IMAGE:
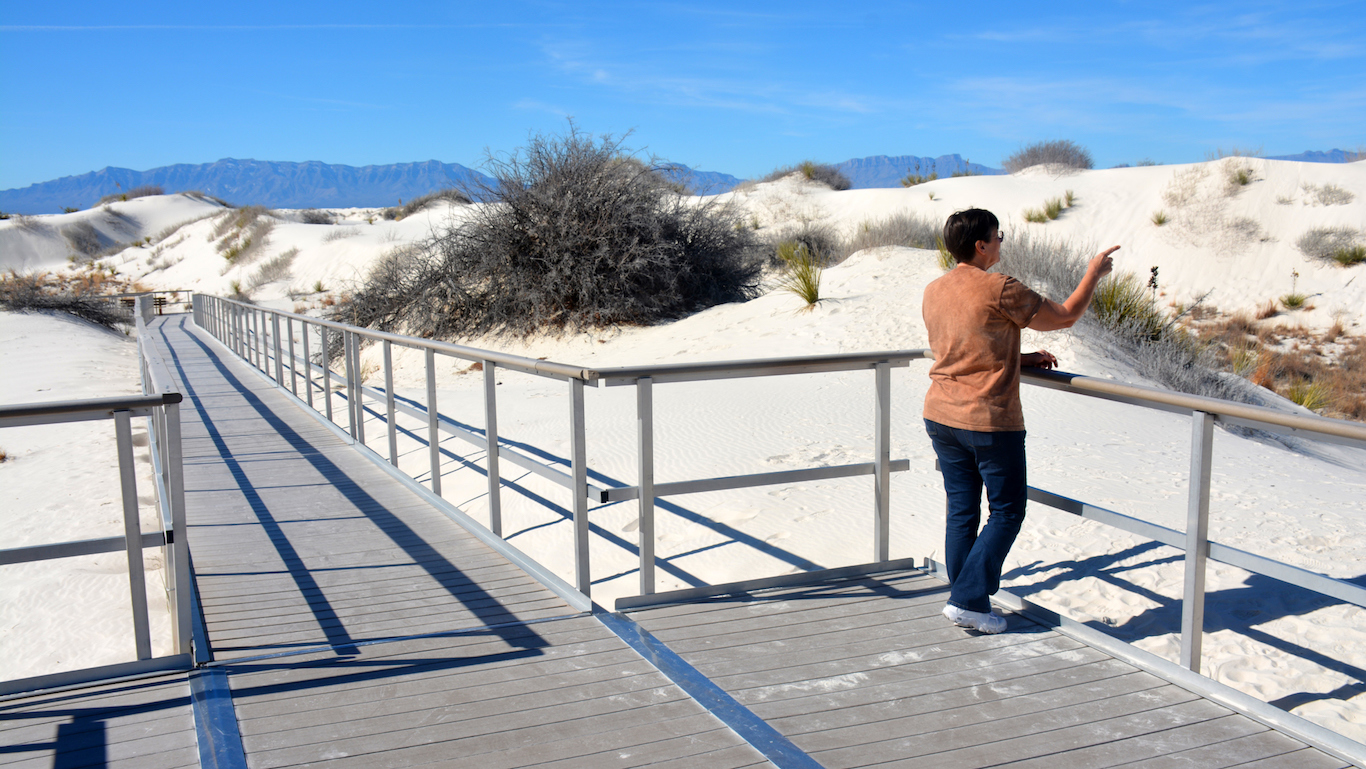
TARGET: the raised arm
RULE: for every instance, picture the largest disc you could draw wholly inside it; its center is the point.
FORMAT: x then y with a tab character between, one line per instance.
1053	316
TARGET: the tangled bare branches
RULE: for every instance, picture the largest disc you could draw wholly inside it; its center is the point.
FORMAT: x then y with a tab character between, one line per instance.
580	234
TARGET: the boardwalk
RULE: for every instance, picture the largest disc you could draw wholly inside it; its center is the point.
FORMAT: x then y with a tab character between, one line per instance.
352	625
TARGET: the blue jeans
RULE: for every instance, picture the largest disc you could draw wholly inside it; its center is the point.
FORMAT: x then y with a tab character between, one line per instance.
970	460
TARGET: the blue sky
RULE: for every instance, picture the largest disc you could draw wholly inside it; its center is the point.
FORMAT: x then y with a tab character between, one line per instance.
723	86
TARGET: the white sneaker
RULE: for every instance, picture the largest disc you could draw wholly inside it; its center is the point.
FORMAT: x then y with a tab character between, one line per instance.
982	622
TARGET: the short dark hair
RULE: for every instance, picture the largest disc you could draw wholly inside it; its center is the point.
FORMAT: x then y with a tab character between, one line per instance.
965	228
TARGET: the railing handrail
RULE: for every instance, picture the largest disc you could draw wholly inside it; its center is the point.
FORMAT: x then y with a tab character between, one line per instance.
506	360
90	405
1231	412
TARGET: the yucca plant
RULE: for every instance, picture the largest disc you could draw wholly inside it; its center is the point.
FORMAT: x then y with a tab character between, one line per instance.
1035	215
1311	395
1121	302
946	260
802	272
1160	218
1053	208
1350	255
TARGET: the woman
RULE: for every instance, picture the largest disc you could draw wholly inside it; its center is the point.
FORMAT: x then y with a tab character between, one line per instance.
972	410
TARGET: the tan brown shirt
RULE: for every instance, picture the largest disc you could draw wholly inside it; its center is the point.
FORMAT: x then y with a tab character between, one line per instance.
974	319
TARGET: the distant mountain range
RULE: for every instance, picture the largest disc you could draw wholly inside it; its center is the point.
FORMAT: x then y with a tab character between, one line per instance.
314	184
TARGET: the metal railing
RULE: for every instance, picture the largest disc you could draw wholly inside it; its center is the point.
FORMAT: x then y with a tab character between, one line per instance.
255	334
160	405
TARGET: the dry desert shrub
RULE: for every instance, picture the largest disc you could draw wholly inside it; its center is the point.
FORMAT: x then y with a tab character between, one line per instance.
1326	195
905	229
579	234
403	211
136	192
341	233
1059	154
812	171
35	292
1333	244
273	269
314	216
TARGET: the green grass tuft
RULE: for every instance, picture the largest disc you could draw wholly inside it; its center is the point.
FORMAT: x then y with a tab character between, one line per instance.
802	272
1160	218
1294	301
1122	302
1350	255
1311	395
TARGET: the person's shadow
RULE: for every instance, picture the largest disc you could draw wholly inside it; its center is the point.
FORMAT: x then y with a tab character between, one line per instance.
1258	601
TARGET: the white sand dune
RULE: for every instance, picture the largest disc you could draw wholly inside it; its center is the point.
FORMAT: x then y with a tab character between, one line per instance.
1302	507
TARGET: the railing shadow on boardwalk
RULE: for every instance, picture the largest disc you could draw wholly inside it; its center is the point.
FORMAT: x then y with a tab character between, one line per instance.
445	573
82	735
1258	601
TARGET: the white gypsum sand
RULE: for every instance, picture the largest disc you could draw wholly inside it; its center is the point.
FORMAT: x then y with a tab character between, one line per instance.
1303	507
60	483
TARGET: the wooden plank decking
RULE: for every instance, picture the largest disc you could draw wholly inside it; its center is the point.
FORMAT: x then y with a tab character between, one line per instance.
866	672
352	625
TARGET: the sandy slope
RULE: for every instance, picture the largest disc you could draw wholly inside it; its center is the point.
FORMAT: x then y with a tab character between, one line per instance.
1303	507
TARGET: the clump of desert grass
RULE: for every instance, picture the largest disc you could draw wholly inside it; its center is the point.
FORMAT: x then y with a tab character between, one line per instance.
801	273
137	192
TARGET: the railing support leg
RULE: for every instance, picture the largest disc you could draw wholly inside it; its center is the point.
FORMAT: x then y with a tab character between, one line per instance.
1197	540
180	546
324	352
357	389
293	364
882	462
433	423
389	401
277	349
491	436
308	364
579	486
132	534
349	359
645	442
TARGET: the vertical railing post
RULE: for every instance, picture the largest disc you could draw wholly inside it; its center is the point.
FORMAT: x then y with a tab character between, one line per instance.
1197	540
645	455
308	364
132	533
277	348
882	462
579	486
325	352
389	402
293	365
359	389
350	377
491	436
180	550
433	423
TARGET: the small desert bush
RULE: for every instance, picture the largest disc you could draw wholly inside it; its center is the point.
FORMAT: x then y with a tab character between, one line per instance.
946	260
83	238
341	233
910	180
1035	215
314	216
575	238
814	172
802	272
1293	301
821	241
417	204
1327	195
1159	218
1332	244
905	229
1237	175
136	192
34	293
1052	208
273	269
1059	153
